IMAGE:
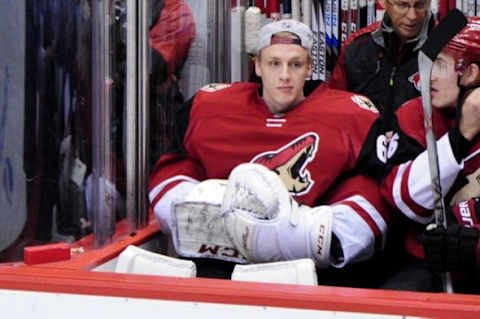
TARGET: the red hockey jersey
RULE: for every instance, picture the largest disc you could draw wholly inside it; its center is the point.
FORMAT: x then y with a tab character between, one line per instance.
408	186
312	147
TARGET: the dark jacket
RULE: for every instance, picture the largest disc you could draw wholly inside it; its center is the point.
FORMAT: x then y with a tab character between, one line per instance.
370	58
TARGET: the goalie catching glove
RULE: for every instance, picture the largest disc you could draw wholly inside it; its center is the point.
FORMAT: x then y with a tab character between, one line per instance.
267	225
458	246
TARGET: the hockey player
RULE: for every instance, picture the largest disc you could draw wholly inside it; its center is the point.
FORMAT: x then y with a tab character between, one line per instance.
380	60
294	146
454	81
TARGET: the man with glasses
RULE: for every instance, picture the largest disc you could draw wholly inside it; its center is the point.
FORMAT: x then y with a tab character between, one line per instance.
380	60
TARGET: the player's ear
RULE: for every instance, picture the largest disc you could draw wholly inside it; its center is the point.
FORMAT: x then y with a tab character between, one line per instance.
258	68
475	73
471	75
309	68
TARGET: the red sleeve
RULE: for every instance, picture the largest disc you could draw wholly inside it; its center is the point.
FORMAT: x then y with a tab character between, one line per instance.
170	170
362	195
362	218
472	161
395	187
408	185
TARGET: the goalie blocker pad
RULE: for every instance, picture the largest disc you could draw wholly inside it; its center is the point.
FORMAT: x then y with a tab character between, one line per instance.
200	230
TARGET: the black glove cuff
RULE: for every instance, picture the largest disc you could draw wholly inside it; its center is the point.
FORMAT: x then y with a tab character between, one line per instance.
460	145
468	248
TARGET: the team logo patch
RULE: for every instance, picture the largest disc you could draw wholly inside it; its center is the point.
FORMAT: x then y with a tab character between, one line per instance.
415	80
212	87
365	103
290	162
470	190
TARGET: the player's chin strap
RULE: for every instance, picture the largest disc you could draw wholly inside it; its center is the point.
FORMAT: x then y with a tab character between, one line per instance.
453	23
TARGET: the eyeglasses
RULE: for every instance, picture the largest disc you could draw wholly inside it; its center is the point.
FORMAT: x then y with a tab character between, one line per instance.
403	7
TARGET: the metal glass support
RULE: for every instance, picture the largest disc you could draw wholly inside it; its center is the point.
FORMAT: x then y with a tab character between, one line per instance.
103	170
137	112
219	42
209	57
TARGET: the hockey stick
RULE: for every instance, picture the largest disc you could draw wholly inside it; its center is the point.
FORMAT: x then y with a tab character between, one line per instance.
345	16
307	12
287	9
274	9
296	15
319	47
444	32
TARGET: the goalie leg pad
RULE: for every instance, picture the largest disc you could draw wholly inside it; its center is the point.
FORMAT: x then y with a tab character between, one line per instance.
267	225
199	230
293	272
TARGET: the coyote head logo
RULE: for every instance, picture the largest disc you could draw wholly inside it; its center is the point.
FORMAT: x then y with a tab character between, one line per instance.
290	162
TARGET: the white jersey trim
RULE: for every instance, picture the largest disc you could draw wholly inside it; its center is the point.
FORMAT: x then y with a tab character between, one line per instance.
397	197
159	188
419	179
470	156
355	235
373	213
420	171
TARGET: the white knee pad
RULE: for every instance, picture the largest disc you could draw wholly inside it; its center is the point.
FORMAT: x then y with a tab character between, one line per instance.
266	224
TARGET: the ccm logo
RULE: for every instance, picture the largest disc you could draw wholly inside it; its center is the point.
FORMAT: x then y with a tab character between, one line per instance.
320	239
245	238
217	250
465	214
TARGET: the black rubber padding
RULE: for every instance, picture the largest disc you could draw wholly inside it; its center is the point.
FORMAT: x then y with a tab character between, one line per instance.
448	27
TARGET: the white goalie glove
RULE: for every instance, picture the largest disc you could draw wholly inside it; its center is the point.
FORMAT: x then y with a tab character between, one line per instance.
191	214
266	224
